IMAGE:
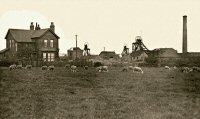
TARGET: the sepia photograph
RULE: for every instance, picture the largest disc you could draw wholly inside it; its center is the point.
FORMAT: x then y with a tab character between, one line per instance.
99	59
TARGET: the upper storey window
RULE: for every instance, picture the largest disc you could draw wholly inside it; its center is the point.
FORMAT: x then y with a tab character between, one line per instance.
51	43
45	43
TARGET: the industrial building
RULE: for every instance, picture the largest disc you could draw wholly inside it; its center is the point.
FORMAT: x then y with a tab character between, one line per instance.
172	57
162	56
75	53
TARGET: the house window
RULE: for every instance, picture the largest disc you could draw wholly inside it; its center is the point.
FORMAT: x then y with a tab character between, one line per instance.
49	57
16	46
13	43
52	57
45	43
51	43
45	57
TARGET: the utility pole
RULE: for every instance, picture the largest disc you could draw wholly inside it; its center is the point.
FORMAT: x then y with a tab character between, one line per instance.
76	46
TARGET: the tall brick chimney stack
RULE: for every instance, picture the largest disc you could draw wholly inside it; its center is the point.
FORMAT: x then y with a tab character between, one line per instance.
52	27
184	50
31	26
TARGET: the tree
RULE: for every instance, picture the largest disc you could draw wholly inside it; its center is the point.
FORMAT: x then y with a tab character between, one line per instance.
25	53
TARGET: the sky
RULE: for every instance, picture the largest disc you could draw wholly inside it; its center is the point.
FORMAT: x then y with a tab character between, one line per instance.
107	23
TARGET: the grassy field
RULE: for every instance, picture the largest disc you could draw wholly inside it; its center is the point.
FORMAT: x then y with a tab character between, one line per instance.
88	94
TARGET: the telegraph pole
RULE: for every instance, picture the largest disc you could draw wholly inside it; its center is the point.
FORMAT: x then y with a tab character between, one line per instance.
76	46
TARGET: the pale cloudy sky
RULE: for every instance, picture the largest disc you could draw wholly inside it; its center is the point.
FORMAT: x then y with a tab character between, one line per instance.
107	23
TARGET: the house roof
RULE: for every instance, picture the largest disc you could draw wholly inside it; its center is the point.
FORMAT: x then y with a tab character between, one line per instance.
4	50
39	33
107	52
21	35
74	48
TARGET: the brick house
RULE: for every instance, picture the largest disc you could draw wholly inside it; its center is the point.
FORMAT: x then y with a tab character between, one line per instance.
34	46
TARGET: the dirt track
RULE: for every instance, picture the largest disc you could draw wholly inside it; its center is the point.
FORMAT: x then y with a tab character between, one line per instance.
59	94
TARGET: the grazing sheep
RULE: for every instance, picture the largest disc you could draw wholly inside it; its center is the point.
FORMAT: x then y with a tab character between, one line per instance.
137	70
44	67
103	68
167	67
51	68
124	69
28	66
73	68
174	67
12	67
86	67
98	68
19	66
196	69
186	70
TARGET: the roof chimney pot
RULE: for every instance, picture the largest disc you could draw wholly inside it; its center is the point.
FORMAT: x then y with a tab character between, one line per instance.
52	27
31	26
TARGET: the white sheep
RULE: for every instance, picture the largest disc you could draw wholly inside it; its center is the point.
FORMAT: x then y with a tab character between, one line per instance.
12	67
174	67
103	68
137	70
51	67
196	69
186	69
73	68
44	67
167	67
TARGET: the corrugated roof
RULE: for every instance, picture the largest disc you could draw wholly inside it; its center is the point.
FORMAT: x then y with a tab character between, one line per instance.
21	35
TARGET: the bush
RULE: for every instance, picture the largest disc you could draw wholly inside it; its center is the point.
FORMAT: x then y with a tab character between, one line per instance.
81	63
60	63
97	64
6	63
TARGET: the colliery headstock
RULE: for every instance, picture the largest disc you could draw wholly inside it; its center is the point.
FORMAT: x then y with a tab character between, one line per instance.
125	50
138	45
86	49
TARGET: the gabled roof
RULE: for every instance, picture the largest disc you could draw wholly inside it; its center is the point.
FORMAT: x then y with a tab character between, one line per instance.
4	50
21	35
39	33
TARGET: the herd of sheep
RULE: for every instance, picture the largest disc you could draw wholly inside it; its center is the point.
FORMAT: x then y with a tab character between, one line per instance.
135	69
